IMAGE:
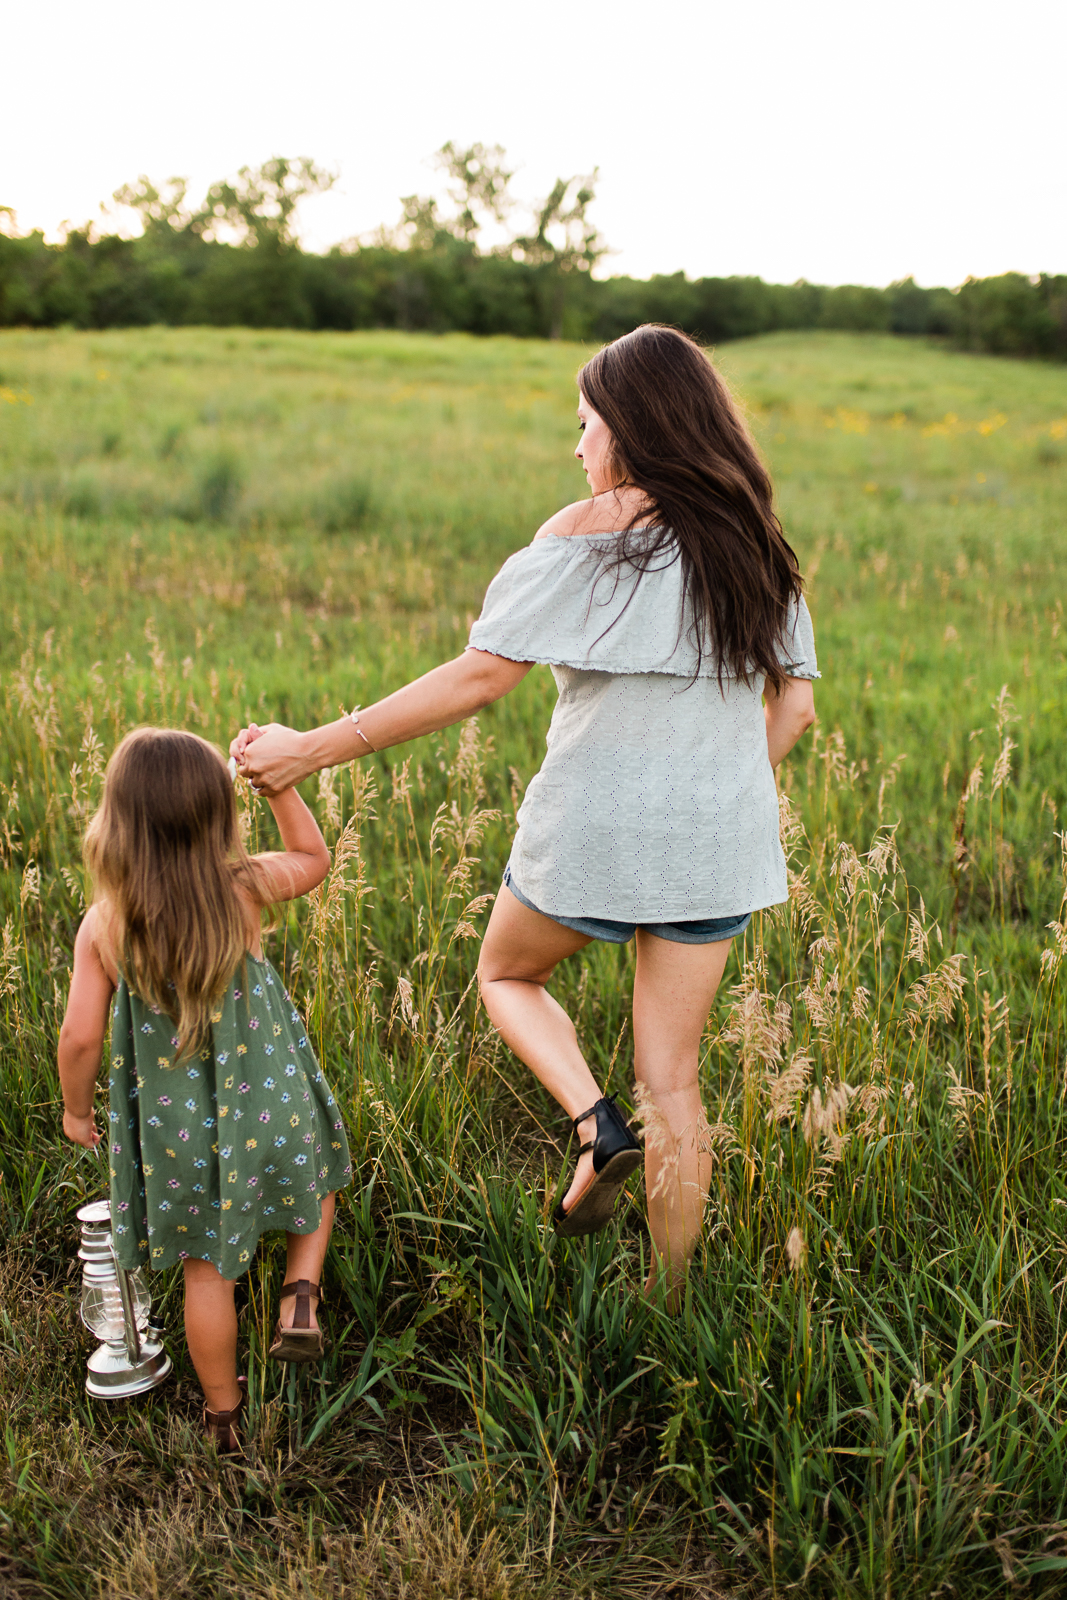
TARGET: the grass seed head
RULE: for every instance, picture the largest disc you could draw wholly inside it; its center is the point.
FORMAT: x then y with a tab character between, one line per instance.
796	1251
785	1088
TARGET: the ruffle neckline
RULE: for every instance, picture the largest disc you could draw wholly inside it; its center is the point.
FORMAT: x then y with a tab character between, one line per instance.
558	603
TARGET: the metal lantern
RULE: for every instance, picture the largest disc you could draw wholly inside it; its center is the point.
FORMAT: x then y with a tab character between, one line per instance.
116	1307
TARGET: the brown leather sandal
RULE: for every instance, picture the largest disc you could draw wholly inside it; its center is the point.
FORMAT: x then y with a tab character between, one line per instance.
301	1342
221	1426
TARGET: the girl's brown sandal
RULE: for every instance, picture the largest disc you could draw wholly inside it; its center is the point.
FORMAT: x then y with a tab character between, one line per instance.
301	1342
221	1426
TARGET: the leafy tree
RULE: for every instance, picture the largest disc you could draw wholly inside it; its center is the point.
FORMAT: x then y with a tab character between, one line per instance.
479	193
1008	315
260	203
563	236
1053	291
162	211
436	270
479	186
563	241
421	227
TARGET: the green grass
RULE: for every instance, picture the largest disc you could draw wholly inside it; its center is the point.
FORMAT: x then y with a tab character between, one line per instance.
867	1391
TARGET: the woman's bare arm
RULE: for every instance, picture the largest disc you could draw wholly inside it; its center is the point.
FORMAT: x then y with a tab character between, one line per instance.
275	757
789	714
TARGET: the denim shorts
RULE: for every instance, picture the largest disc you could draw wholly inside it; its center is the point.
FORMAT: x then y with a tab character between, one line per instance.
707	930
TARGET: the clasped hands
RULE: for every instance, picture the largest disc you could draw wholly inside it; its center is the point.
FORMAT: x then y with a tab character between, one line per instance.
272	758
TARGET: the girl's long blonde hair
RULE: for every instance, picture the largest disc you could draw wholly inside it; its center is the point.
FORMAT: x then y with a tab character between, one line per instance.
166	860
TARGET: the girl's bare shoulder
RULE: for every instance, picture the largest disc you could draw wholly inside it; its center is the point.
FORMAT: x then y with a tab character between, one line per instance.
96	936
254	896
604	513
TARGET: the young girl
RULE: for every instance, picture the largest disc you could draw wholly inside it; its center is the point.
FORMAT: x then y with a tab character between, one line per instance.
670	608
221	1124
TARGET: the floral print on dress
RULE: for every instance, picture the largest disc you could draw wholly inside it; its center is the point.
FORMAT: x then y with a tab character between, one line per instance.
166	1160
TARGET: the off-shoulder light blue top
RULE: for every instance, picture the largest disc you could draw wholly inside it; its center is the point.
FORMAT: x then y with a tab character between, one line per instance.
656	801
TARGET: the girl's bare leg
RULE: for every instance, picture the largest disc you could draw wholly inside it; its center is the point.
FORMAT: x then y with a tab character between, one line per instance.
211	1333
674	987
520	950
304	1255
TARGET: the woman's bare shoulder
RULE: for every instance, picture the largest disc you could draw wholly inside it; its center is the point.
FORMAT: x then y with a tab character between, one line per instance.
604	513
564	523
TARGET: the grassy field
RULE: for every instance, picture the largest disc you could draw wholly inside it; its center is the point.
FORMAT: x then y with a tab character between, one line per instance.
867	1391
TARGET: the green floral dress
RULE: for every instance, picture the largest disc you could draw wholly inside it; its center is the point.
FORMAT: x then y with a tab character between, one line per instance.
240	1138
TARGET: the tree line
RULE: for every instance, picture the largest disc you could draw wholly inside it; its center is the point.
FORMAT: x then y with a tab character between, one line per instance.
476	262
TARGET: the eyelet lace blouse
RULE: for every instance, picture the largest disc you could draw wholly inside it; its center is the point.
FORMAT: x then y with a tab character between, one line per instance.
656	801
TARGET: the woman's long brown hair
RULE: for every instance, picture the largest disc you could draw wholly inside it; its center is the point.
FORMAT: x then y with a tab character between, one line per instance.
166	859
679	437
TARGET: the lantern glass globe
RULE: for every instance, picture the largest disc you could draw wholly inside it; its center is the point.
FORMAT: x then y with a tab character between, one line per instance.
101	1306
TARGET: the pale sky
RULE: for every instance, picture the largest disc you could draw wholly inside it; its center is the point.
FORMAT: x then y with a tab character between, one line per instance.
836	140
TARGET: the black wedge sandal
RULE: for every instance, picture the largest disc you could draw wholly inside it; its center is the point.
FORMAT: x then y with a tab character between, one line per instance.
222	1426
615	1155
301	1342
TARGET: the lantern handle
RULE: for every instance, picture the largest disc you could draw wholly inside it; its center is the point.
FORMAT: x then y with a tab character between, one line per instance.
129	1314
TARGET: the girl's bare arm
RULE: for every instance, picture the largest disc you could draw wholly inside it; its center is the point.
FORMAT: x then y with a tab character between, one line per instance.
305	861
81	1038
276	757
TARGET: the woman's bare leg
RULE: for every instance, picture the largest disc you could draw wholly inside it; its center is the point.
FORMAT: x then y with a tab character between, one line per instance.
674	987
211	1333
520	951
304	1255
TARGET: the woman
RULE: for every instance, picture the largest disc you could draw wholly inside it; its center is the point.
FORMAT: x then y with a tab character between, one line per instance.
669	607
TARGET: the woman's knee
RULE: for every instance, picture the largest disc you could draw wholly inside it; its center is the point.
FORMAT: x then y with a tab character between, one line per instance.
485	980
509	967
